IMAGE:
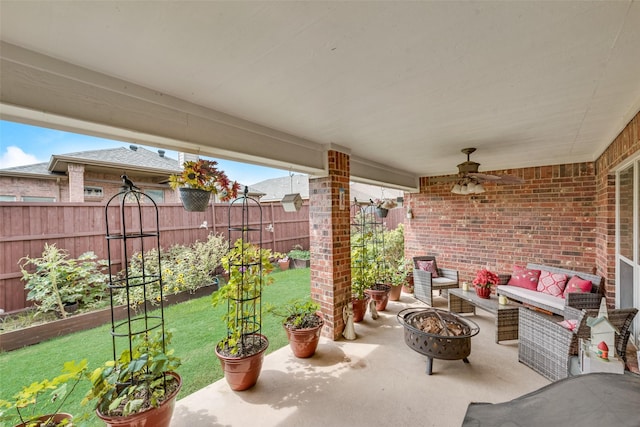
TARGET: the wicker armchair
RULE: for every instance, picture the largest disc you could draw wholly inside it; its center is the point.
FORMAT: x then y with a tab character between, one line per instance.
424	284
548	348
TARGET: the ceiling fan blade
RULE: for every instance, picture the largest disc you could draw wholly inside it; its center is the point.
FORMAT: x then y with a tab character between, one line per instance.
484	176
510	179
440	179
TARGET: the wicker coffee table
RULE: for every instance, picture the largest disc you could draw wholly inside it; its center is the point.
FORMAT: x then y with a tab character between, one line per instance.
506	315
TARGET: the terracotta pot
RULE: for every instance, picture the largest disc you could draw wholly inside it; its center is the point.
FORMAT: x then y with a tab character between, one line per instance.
57	418
380	294
156	417
394	294
483	292
242	373
407	289
303	342
283	265
360	308
194	199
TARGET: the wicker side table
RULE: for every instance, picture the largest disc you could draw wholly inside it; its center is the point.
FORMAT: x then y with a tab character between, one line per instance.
506	315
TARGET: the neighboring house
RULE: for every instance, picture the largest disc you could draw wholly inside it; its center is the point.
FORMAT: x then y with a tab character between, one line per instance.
276	188
90	176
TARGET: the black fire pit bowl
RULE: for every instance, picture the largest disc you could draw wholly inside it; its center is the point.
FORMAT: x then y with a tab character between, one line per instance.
434	346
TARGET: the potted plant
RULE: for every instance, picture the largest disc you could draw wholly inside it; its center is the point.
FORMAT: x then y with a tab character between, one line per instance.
362	278
381	287
303	324
140	387
33	410
59	283
395	261
301	257
198	180
483	282
241	352
283	263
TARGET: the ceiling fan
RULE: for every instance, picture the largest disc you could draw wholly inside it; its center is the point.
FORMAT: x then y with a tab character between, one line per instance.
469	180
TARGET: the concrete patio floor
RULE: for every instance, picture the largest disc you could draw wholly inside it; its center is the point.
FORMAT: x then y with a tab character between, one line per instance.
374	380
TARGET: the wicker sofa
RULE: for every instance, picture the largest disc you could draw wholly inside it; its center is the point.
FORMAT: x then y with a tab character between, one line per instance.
552	350
555	304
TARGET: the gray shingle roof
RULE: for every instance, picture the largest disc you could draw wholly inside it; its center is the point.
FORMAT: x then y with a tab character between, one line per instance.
120	157
123	157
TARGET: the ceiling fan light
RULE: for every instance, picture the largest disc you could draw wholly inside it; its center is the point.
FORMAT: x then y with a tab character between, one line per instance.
471	187
456	189
479	189
464	189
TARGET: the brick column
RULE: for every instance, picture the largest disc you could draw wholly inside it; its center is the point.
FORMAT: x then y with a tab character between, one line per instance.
76	182
329	235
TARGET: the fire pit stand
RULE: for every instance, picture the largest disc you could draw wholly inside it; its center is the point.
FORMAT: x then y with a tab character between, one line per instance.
444	345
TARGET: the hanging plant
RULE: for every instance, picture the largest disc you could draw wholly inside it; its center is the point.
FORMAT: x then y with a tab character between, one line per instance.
203	177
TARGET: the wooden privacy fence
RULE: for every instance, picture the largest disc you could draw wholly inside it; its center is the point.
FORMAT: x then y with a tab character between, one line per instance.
80	227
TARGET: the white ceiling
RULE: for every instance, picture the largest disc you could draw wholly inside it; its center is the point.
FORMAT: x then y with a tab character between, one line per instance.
403	84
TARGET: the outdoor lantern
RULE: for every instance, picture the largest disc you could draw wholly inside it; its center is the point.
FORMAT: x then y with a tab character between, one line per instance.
292	202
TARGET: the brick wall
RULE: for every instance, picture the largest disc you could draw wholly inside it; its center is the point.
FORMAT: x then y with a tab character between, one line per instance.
626	144
329	229
551	219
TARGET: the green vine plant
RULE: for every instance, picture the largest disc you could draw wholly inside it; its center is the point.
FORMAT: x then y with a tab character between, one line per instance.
136	381
248	267
30	405
58	280
297	314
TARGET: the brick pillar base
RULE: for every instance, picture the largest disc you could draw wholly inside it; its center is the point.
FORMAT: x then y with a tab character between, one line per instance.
329	235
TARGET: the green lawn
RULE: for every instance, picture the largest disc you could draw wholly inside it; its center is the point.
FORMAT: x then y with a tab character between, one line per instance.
197	328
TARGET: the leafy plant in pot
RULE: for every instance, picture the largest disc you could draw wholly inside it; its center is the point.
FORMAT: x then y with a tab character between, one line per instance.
32	410
300	257
483	282
303	325
198	180
140	385
242	351
395	261
363	276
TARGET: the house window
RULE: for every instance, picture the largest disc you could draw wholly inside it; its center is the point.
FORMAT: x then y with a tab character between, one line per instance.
7	198
94	192
38	199
156	195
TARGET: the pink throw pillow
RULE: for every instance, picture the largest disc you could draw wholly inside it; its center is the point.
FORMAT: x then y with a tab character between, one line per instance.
524	278
576	284
570	324
552	283
429	266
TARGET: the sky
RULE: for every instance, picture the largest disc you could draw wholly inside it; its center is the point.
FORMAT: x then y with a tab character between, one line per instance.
24	144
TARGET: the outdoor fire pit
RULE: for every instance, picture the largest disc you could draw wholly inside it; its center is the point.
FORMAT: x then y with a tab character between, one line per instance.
437	334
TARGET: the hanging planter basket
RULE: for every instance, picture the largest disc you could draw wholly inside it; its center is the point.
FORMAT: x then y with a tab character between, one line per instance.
194	199
382	212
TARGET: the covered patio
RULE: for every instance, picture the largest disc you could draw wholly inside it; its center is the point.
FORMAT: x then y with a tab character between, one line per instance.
387	93
374	380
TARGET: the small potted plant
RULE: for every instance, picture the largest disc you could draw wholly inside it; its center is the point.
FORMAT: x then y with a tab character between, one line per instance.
31	407
198	180
301	257
303	325
483	282
283	263
242	351
140	387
